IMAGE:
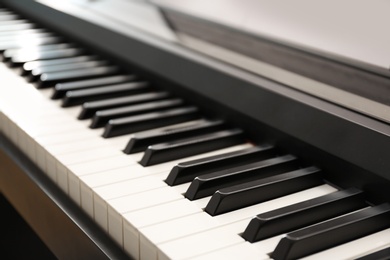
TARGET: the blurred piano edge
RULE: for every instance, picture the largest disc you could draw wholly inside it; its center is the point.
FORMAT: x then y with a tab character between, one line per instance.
338	87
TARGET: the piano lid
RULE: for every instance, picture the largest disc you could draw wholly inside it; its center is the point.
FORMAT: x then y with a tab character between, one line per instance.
334	50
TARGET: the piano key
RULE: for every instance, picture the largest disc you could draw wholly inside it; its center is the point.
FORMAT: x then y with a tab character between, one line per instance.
14	27
20	34
50	79
29	66
379	255
153	236
30	34
101	117
187	171
85	168
143	217
4	11
45	55
148	121
53	139
254	192
35	50
90	108
238	251
102	194
141	141
13	21
7	16
222	237
164	152
24	34
370	247
37	41
129	203
206	185
35	73
87	156
77	97
296	216
61	88
334	232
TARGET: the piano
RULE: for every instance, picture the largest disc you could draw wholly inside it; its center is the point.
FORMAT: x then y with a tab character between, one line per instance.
117	143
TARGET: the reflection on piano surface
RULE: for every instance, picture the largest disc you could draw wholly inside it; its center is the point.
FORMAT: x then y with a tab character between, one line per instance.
134	146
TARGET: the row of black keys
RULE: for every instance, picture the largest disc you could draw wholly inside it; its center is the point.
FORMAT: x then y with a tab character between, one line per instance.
235	180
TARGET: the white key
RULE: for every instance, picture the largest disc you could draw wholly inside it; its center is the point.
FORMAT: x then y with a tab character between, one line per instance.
105	164
200	243
135	220
119	206
239	251
104	193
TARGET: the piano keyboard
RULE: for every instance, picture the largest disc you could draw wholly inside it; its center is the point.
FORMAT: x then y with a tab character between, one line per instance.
159	176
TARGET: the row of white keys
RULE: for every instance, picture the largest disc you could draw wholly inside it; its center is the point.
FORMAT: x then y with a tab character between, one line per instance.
140	179
148	183
32	135
162	240
46	140
48	143
43	138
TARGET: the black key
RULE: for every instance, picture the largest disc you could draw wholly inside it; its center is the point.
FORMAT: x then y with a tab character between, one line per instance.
165	152
141	141
52	78
205	185
303	214
29	66
128	125
187	171
36	73
90	108
45	55
333	232
254	192
103	116
383	254
61	88
77	97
